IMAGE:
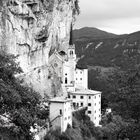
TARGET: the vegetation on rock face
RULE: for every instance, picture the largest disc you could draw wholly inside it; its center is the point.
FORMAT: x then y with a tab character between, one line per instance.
76	9
48	4
21	105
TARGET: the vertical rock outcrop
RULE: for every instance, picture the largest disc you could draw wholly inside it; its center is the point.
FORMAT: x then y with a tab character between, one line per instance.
32	30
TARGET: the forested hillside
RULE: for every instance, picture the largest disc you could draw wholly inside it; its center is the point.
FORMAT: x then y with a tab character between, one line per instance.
108	51
114	69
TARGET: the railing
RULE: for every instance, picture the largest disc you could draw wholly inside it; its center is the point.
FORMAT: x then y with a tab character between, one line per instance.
55	118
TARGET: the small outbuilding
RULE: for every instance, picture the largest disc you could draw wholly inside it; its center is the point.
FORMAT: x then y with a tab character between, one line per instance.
61	113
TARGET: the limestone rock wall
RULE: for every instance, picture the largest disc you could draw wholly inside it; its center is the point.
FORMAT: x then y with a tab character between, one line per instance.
32	30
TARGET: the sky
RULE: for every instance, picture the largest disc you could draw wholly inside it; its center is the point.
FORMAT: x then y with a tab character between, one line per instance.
116	16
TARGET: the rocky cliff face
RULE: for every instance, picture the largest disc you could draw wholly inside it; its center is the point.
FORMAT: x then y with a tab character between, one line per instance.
32	30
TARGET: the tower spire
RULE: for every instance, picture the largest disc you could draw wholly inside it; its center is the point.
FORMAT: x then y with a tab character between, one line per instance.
71	35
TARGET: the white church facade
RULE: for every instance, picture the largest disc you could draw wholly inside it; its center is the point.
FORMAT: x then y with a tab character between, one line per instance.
75	83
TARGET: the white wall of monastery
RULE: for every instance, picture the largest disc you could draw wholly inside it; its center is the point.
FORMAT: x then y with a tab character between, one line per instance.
81	78
92	102
94	108
62	109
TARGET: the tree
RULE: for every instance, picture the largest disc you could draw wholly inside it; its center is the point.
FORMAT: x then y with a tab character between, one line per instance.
126	95
21	104
124	100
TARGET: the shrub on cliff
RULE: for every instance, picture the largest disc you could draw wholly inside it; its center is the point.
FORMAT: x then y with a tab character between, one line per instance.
19	104
76	9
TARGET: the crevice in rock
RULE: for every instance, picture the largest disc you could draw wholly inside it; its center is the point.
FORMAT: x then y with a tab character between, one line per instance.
12	2
13	28
42	35
25	44
27	16
33	5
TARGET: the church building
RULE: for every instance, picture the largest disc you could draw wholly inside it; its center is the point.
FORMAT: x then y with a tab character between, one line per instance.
75	81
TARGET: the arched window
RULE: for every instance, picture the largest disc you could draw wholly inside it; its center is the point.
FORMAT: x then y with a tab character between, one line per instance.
71	52
66	80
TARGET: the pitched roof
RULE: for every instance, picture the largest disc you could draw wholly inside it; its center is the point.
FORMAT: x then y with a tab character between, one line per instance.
60	100
85	92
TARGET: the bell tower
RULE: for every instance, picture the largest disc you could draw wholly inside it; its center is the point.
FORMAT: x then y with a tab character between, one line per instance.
70	65
71	53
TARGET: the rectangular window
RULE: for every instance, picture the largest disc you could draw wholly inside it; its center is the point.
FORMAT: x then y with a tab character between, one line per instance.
89	104
77	104
68	96
60	111
80	78
66	80
95	97
81	97
74	96
89	97
89	112
81	104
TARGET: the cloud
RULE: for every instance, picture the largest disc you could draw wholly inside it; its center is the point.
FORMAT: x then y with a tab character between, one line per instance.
113	13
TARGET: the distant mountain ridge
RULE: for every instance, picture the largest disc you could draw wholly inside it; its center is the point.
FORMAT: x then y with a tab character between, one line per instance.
95	47
88	33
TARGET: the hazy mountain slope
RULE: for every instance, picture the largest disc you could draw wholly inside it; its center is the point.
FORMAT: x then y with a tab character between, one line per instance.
107	52
88	33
